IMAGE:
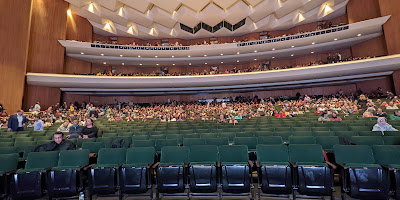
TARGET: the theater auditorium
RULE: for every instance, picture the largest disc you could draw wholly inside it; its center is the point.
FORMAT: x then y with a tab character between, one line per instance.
199	99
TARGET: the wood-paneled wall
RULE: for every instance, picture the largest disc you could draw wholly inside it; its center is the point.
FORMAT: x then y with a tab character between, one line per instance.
392	26
396	82
14	40
360	10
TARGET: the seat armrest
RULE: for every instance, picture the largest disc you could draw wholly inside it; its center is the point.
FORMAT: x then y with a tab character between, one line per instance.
293	164
251	163
331	165
218	164
10	172
187	164
341	165
88	166
387	167
156	165
149	166
258	164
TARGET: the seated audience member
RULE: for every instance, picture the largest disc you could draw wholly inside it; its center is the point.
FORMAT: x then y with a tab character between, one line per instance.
222	119
93	117
382	126
395	116
280	114
335	117
59	144
90	130
111	119
75	130
324	117
64	127
369	113
60	120
291	114
391	106
38	125
118	118
232	120
380	113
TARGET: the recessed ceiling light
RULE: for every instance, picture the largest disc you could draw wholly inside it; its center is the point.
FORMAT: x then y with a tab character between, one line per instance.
335	39
359	35
156	56
189	56
273	49
255	58
222	54
138	56
157	64
313	43
273	56
237	61
82	53
238	53
190	63
102	54
120	55
173	64
312	51
123	63
205	63
104	63
292	55
205	55
172	56
292	46
255	51
222	62
140	64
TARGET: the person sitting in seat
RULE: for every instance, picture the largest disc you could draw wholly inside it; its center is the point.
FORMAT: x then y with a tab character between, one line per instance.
334	117
90	130
391	106
39	124
59	144
395	116
380	113
324	117
75	130
382	126
369	113
64	127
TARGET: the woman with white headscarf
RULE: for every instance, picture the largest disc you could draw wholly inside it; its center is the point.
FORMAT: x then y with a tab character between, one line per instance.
382	126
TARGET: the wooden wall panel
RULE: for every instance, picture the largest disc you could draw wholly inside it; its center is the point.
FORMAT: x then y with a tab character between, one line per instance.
14	40
46	54
47	96
372	47
396	82
392	26
76	66
360	10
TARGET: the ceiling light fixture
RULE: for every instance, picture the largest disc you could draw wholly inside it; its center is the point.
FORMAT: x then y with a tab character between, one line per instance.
292	46
335	39
120	55
138	56
104	63
102	54
205	63
255	58
205	55
273	57
189	56
359	35
82	53
222	62
273	49
156	56
157	64
140	64
255	51
237	61
123	63
313	43
173	64
312	51
238	53
190	63
292	55
222	54
172	56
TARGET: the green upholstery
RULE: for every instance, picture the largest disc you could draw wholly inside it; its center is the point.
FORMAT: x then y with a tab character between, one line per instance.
6	144
93	147
80	141
9	162
228	135
156	137
191	135
285	135
306	153
367	140
323	133
174	155
217	141
250	142
302	140
139	156
110	157
37	161
19	143
105	140
272	154
208	135
388	155
361	154
233	154
270	140
193	141
391	140
109	134
47	137
143	143
40	142
73	159
177	137
7	150
346	134
7	139
244	134
327	142
140	137
203	154
159	144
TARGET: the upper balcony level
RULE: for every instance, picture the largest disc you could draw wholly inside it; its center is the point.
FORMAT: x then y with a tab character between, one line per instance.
274	48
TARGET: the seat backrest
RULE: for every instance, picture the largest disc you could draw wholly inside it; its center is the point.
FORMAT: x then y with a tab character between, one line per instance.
143	143
7	150
165	142
391	140
302	140
193	141
251	142
387	154
353	154
174	155
270	140
111	156
8	162
203	153
306	153
327	142
6	144
140	155
42	160
272	153
230	154
93	147
78	158
217	141
367	140
208	135
19	143
140	137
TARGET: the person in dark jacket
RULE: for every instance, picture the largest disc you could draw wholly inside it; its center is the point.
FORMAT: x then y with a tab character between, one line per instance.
16	122
90	130
75	131
59	144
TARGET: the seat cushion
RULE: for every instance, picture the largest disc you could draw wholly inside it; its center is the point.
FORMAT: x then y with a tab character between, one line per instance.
274	163
171	164
234	163
360	165
203	163
311	164
135	165
22	171
64	168
394	166
104	166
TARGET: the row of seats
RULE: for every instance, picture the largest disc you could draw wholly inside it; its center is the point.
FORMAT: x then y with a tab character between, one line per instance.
367	172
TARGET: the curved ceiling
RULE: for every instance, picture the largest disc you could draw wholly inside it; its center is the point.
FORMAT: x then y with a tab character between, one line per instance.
149	19
267	80
230	52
